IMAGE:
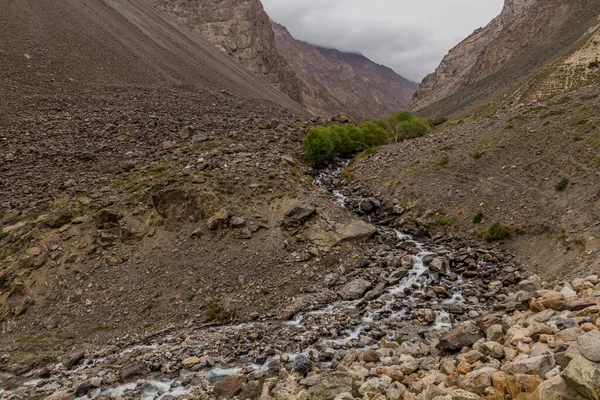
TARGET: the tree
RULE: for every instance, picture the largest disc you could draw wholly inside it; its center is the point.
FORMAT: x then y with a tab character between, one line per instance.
318	147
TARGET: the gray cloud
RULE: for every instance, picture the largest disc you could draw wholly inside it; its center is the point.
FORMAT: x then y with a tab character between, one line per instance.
409	36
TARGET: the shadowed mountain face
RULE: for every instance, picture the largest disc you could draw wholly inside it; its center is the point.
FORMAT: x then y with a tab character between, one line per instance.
334	81
523	38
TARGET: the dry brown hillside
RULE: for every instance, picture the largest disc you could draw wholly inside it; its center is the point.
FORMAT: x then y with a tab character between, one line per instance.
535	169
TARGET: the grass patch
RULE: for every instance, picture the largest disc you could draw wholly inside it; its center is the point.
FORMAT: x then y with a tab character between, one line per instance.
496	232
444	221
400	339
561	185
217	313
478	218
4	235
509	126
444	160
446	148
477	155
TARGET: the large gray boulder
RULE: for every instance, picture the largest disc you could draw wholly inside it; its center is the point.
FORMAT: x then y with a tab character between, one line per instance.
297	216
583	376
355	289
589	345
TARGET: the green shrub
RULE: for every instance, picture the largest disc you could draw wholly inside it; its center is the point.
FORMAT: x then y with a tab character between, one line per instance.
444	221
414	128
496	232
478	218
318	147
375	135
562	185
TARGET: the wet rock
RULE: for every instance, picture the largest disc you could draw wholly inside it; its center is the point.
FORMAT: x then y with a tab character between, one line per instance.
230	386
72	360
464	335
302	364
355	289
589	345
133	370
298	216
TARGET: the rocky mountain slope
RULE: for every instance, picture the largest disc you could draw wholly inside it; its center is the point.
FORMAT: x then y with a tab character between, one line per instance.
336	82
522	39
533	168
242	30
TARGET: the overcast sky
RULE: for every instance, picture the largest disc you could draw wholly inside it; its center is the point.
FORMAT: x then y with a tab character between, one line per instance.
409	36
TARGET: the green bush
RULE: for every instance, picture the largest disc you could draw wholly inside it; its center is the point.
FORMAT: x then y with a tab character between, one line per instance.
478	218
414	128
318	147
561	186
444	221
496	232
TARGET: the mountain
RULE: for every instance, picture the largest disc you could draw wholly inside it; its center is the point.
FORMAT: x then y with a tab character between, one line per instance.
241	29
527	35
337	82
324	81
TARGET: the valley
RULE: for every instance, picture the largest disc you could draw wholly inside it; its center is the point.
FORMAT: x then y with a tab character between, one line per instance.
165	234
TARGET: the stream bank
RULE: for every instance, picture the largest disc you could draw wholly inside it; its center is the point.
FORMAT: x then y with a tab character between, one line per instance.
407	287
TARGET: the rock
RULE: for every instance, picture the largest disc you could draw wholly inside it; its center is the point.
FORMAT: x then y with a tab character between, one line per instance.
238	222
553	300
355	289
539	365
59	219
168	144
533	284
298	216
356	231
408	364
230	386
581	303
589	345
460	394
495	333
72	360
186	132
583	376
464	335
395	391
370	356
302	364
332	385
554	388
133	370
478	380
190	362
344	396
220	220
376	385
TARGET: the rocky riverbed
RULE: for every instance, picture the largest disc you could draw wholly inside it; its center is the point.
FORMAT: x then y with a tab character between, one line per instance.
414	317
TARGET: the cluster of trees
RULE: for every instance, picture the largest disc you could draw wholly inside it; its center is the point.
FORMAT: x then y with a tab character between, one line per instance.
323	143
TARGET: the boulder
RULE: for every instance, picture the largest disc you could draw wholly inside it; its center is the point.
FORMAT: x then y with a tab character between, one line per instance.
589	345
539	365
553	300
464	335
582	375
479	380
555	388
376	385
355	289
333	385
133	370
356	231
302	364
230	386
581	303
298	216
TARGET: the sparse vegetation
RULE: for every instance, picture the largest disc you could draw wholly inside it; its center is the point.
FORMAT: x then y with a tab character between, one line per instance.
509	126
216	312
444	221
444	160
4	235
400	339
433	122
478	218
477	155
496	231
561	185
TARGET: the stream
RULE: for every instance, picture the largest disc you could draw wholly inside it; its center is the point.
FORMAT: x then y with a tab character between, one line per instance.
423	287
